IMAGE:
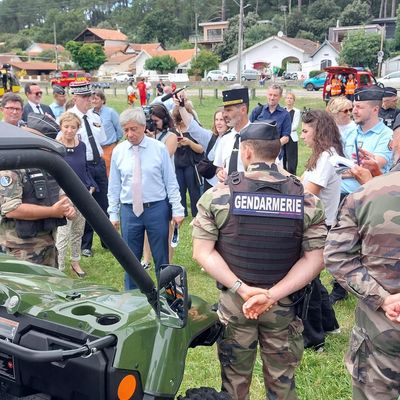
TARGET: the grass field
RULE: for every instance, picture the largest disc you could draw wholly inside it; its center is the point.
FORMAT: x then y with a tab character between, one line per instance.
321	376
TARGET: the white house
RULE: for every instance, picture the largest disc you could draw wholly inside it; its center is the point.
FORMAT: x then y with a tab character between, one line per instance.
327	55
274	51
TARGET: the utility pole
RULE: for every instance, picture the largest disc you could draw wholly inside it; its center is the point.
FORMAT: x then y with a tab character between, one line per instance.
55	45
240	43
196	16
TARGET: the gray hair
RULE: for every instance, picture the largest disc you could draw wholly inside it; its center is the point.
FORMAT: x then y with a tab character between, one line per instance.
275	86
133	115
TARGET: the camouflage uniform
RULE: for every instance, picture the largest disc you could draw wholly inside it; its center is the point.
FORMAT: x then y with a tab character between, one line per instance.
39	249
362	252
279	331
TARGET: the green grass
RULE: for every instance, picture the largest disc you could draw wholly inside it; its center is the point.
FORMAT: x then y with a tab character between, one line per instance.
320	376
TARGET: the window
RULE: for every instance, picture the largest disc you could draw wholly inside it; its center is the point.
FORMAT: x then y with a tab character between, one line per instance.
326	63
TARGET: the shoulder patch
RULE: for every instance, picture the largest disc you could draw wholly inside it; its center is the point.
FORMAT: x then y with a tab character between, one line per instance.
5	180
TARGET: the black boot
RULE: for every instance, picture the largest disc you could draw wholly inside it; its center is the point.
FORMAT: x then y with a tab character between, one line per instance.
337	294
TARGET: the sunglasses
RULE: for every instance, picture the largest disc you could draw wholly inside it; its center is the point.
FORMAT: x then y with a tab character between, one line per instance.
347	111
13	109
37	93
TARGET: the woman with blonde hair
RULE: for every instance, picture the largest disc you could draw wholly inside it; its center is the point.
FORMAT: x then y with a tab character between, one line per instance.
71	234
341	109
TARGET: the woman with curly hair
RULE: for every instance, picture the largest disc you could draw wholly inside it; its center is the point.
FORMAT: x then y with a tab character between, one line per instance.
321	134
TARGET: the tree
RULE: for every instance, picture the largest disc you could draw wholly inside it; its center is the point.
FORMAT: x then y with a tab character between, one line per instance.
360	49
356	13
397	33
205	61
161	63
87	56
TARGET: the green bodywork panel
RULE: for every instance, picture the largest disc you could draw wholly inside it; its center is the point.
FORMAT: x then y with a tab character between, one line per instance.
157	352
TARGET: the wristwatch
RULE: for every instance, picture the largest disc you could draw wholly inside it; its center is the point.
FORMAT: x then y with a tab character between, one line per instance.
236	286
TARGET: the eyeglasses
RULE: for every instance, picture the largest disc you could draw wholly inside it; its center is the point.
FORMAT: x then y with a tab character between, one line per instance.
37	93
13	109
347	111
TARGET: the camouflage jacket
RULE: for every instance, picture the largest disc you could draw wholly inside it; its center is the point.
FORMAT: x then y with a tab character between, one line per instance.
363	249
11	190
213	211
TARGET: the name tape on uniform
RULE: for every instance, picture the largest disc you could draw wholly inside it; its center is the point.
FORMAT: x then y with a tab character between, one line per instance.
268	205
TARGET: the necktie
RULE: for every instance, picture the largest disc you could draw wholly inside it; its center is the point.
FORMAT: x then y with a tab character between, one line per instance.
137	201
39	109
95	150
234	156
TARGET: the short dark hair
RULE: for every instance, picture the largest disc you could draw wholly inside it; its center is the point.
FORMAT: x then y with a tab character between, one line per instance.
28	86
265	149
11	97
100	93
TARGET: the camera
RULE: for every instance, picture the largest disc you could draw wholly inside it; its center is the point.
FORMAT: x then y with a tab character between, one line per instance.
150	125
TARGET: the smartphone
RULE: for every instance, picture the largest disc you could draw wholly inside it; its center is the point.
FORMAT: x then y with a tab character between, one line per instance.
357	153
180	138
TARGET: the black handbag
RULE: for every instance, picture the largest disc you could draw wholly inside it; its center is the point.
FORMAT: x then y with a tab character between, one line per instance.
205	167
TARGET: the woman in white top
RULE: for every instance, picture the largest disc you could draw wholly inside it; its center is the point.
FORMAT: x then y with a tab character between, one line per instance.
321	134
290	156
341	109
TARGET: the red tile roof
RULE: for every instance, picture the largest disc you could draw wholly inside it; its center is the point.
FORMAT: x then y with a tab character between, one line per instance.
45	47
180	56
108	34
34	65
305	44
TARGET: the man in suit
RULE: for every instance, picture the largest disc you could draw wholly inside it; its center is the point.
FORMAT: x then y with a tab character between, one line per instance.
34	94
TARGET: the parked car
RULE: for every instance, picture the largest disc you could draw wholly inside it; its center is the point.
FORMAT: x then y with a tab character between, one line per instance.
123	77
290	76
65	78
362	77
101	85
251	75
392	80
218	75
316	82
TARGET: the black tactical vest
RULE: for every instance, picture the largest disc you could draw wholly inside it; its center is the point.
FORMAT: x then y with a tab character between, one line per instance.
261	250
39	188
389	116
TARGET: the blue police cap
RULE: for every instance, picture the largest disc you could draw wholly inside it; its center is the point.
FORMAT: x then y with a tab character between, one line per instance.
58	89
389	92
260	130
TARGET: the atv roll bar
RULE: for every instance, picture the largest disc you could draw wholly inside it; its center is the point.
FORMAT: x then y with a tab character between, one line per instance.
20	149
23	353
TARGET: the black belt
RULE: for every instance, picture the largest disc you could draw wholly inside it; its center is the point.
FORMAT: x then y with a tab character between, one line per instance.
146	205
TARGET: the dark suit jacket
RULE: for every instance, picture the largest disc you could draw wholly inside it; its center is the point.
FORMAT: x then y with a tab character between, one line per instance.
28	109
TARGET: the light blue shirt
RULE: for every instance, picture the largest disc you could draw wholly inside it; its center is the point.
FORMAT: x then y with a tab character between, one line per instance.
57	109
112	127
375	140
158	176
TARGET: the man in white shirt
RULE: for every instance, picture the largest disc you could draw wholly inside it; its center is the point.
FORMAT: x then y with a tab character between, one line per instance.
34	94
93	135
236	107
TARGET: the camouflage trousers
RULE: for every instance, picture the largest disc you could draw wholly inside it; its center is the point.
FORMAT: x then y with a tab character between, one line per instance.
373	359
279	334
71	233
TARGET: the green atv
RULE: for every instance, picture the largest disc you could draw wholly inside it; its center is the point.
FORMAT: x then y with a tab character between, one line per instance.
62	338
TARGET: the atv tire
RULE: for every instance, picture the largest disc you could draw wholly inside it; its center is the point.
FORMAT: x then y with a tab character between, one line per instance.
204	393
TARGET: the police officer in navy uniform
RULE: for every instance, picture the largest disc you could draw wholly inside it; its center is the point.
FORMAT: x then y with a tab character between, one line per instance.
389	110
262	239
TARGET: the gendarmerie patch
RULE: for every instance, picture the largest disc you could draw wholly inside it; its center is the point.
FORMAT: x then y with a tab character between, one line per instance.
5	180
268	205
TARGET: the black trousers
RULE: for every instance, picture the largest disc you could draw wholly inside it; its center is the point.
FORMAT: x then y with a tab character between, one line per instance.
290	156
321	316
99	174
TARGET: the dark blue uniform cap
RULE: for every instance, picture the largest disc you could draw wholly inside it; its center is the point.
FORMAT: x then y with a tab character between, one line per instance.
368	93
389	92
58	89
260	130
235	96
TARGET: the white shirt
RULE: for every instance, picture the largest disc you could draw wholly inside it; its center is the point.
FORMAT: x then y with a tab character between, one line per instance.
224	149
295	124
324	175
35	108
97	130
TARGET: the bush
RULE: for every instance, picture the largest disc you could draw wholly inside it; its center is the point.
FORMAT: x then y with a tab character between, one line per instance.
314	73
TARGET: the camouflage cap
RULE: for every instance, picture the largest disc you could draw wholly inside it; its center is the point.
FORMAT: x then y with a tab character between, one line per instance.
260	130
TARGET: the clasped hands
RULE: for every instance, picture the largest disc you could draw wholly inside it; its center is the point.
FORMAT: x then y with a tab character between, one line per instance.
391	307
257	301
